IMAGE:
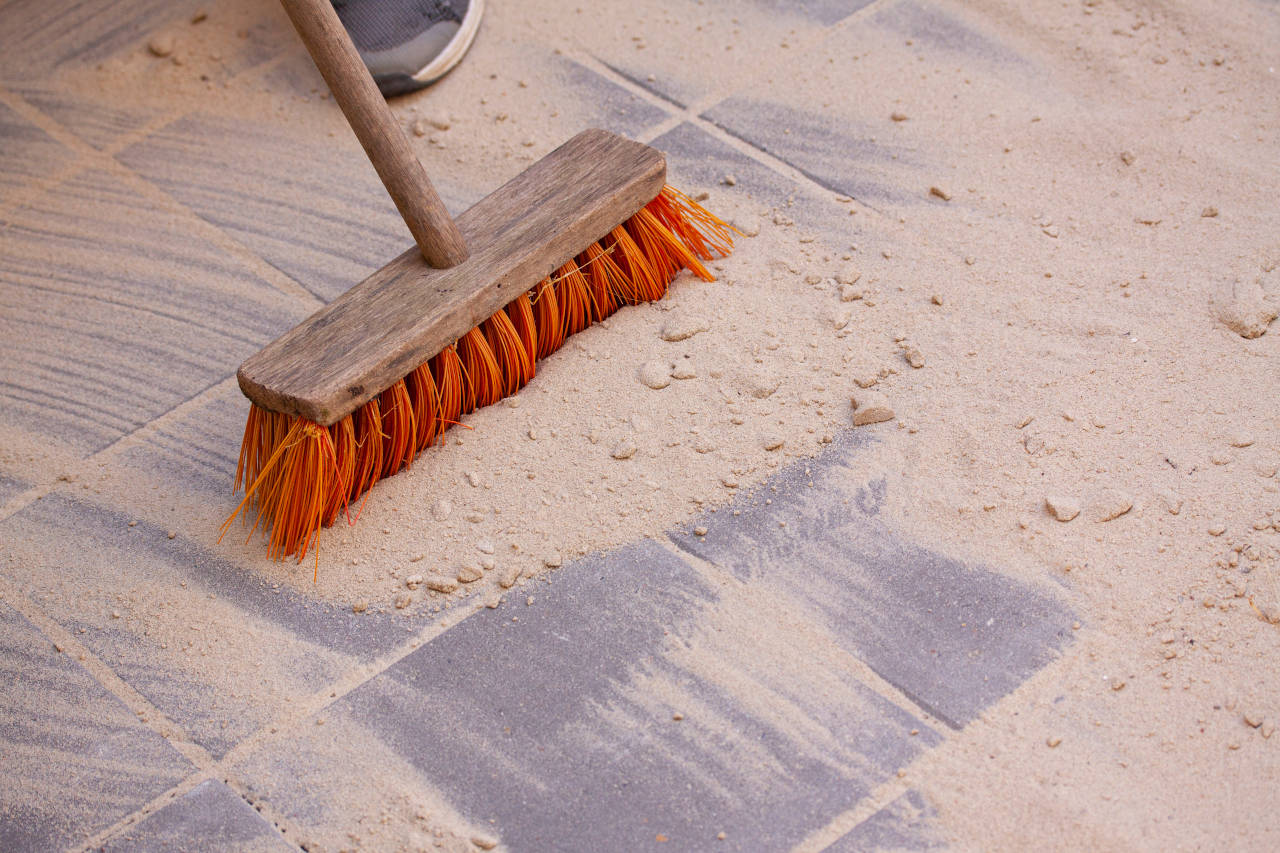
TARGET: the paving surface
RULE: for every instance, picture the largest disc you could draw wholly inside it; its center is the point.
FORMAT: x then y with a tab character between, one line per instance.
611	714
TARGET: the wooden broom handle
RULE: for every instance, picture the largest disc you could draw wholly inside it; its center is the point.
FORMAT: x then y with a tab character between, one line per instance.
384	141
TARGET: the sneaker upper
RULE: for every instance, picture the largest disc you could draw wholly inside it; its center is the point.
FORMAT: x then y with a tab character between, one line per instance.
408	44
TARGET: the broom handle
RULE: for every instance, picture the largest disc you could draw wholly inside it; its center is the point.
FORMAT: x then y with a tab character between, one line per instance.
386	144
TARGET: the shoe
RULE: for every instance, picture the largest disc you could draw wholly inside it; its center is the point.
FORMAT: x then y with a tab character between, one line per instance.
409	44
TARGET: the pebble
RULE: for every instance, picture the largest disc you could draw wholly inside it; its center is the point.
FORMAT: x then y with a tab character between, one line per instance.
729	482
488	563
683	327
939	192
440	509
1254	718
1217	529
748	225
870	408
699	531
1240	439
1053	741
624	449
473	479
440	583
772	442
1221	457
1172	502
475	517
935	299
484	842
403	600
914	357
842	318
554	561
484	546
656	374
419	127
469	574
897	116
729	181
849	275
1062	507
508	577
1209	212
161	45
413	581
704	445
360	606
849	293
1127	158
1244	309
865	380
1109	506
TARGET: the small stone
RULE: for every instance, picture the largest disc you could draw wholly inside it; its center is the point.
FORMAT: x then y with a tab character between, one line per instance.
720	836
729	181
729	482
624	449
1118	685
1254	718
1221	457
865	380
1172	502
1240	439
677	716
419	127
1050	231
935	299
161	45
1109	506
1053	741
699	531
897	116
704	445
870	408
849	275
841	318
849	293
413	581
656	374
473	479
508	577
484	842
440	583
488	563
683	327
1209	212
1062	507
484	546
939	192
439	122
115	614
1244	310
1127	158
360	606
1217	529
403	600
772	442
914	357
554	561
469	574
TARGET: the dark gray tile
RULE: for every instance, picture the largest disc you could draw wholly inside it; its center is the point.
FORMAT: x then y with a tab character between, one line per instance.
937	30
823	12
906	824
556	727
695	158
26	152
952	637
605	103
325	220
40	38
73	758
94	119
209	817
215	646
112	312
835	151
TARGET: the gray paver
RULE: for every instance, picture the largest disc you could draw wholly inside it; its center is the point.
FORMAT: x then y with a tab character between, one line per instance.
99	577
112	312
28	152
73	758
208	817
905	824
559	727
94	119
939	31
952	637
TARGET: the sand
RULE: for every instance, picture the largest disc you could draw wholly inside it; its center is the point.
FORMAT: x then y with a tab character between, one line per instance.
1071	356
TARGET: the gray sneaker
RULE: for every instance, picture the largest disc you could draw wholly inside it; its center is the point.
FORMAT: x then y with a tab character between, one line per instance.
409	44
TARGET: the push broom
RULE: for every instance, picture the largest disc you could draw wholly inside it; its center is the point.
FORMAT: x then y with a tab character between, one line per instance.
356	390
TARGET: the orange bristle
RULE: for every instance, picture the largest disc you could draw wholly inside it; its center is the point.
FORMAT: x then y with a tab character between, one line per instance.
574	297
483	376
299	476
546	314
521	313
